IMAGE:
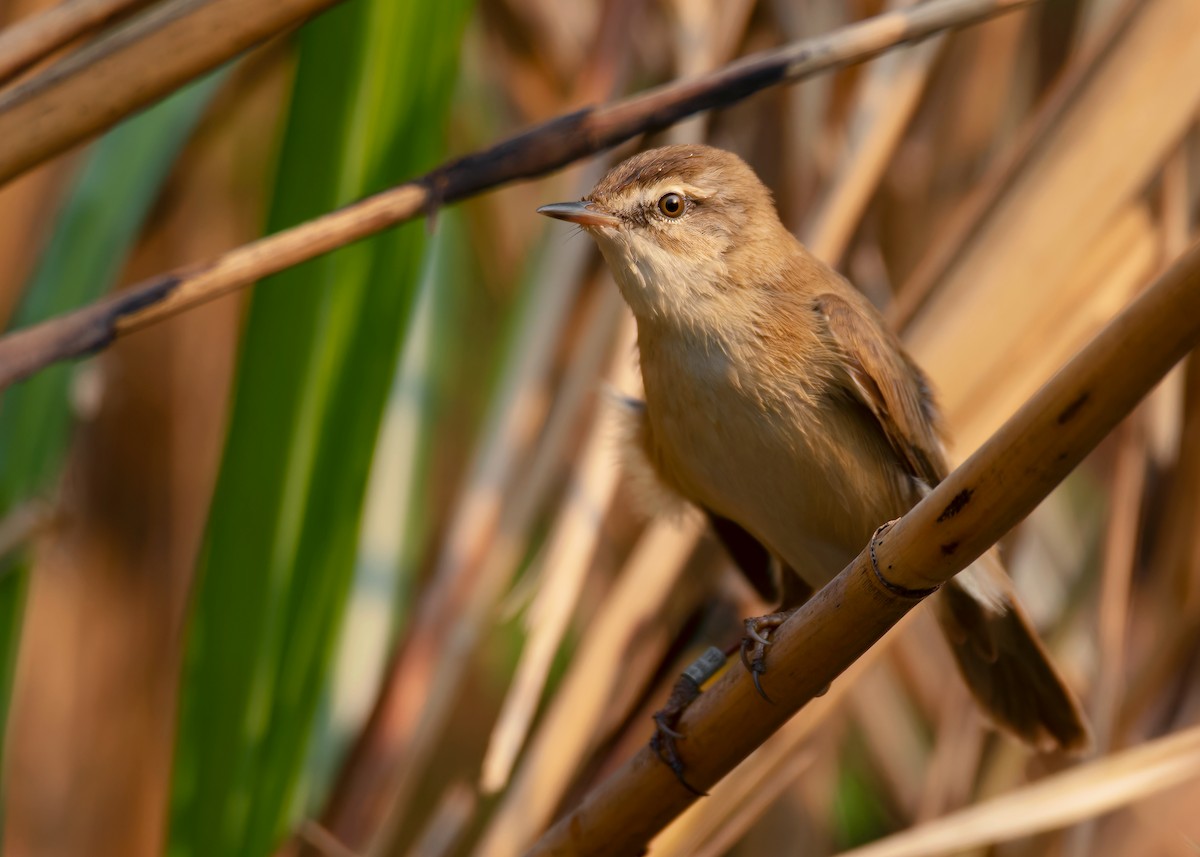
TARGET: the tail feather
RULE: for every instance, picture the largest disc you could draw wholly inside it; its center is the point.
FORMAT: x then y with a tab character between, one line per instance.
1003	662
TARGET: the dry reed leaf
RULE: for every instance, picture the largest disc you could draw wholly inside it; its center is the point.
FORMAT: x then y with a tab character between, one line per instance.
811	141
782	777
565	563
560	32
1178	199
705	36
963	123
571	726
531	490
27	206
1057	801
1106	147
921	660
1116	579
884	106
1176	560
1165	827
957	231
1054	547
1094	17
956	757
894	736
1166	649
1113	616
1068	314
448	823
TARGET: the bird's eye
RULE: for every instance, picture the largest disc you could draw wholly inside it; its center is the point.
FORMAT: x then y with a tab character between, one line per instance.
671	205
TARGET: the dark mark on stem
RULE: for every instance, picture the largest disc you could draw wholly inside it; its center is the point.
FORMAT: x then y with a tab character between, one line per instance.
1072	409
960	501
76	334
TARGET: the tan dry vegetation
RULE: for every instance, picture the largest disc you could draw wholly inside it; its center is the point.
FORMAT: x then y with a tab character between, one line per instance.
1003	191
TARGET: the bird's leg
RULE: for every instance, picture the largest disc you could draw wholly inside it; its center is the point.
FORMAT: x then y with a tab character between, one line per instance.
666	719
754	645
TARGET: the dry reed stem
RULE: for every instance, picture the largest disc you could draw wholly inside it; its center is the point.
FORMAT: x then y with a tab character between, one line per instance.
1124	258
535	152
894	737
448	823
118	74
1116	580
762	777
1054	802
885	104
956	755
955	524
1108	146
973	211
1113	615
572	724
1176	567
726	837
564	565
33	39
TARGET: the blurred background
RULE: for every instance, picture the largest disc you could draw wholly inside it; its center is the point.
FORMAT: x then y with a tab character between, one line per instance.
346	564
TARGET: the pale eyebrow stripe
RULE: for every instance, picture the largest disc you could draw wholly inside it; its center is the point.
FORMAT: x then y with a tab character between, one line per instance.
656	191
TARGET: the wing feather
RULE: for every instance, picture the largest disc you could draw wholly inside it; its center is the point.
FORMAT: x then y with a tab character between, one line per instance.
891	386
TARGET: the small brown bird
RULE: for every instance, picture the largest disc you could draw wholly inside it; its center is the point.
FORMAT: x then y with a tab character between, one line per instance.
779	402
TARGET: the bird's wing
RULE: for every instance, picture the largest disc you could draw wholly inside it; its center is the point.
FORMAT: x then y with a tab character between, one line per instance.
891	386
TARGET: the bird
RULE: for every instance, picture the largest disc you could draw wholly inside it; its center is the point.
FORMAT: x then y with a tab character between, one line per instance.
778	401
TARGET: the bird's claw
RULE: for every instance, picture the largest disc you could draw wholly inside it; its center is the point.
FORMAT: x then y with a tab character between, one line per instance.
753	633
664	724
758	670
754	646
686	689
663	745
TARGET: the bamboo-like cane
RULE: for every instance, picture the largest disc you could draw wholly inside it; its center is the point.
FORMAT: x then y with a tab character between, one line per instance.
976	505
31	40
121	72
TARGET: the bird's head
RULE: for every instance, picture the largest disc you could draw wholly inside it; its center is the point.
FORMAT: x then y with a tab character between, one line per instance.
677	225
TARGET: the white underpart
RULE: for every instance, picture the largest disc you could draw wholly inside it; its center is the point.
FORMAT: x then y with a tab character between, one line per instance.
656	282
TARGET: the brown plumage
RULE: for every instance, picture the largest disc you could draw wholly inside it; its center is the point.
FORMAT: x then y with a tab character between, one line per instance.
778	401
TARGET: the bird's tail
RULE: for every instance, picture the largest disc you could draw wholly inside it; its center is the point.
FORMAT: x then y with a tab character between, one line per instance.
1005	665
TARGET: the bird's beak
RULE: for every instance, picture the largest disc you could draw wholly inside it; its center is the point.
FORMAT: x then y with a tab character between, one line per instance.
583	213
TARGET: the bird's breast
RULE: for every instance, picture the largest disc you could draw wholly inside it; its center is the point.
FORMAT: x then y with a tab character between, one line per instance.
789	459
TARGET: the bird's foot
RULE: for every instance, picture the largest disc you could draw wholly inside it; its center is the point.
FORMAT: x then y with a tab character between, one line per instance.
754	645
666	720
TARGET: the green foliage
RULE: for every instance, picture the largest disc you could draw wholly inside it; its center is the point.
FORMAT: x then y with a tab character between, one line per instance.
372	88
859	815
